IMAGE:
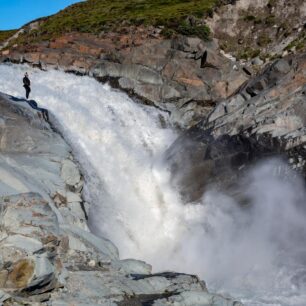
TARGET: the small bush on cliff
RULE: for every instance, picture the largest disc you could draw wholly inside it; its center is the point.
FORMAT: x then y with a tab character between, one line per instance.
168	33
299	43
201	31
248	53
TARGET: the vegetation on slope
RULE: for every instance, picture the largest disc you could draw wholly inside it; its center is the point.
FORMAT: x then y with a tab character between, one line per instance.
95	16
4	35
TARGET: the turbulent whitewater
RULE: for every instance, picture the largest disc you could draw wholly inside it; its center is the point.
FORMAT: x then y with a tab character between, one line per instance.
256	253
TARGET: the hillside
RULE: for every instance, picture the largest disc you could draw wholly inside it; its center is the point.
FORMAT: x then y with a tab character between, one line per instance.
4	35
96	16
246	29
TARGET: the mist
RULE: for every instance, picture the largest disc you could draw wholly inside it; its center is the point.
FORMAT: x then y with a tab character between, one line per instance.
255	250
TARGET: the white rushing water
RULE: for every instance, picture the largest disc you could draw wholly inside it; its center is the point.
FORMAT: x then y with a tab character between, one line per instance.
257	254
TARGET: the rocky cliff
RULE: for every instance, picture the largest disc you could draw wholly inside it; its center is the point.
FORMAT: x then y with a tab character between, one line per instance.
264	118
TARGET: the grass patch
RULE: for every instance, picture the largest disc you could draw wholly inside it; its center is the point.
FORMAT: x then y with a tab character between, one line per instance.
299	43
249	18
4	35
248	53
95	16
187	29
263	40
270	20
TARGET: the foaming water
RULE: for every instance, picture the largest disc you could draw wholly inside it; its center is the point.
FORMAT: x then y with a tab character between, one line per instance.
256	252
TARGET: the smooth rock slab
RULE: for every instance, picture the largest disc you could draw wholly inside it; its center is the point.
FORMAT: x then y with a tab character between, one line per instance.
27	244
115	287
70	173
28	215
132	266
197	298
102	245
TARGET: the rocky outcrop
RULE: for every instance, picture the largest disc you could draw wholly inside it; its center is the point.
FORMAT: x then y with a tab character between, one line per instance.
265	117
47	254
266	28
184	76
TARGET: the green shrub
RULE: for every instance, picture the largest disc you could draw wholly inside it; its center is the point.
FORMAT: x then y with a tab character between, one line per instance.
263	40
201	31
249	18
299	43
4	35
270	20
168	33
248	53
252	18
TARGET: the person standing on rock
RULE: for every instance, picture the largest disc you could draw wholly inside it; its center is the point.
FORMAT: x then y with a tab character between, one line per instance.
27	84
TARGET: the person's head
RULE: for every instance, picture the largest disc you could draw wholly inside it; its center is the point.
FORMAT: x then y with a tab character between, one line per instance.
26	74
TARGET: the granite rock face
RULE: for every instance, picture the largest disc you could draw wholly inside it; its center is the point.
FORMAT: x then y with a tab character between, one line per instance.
47	254
265	117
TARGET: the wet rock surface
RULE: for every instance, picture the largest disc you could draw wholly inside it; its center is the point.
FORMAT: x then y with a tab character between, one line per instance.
47	254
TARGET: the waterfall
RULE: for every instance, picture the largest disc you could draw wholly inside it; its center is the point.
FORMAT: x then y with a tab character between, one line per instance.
256	252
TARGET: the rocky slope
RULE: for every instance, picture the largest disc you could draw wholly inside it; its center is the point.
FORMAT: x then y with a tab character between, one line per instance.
264	118
47	254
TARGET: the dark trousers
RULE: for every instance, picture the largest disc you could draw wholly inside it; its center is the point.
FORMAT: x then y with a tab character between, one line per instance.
28	90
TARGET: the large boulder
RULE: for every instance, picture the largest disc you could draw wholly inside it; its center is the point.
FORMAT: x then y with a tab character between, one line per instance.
31	233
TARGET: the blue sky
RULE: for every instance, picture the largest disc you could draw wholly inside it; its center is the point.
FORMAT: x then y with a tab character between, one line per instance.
15	13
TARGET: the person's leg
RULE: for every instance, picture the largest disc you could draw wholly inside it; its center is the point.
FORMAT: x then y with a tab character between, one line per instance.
28	90
45	114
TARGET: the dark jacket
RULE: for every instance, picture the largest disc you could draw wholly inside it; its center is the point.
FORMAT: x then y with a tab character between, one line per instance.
26	82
